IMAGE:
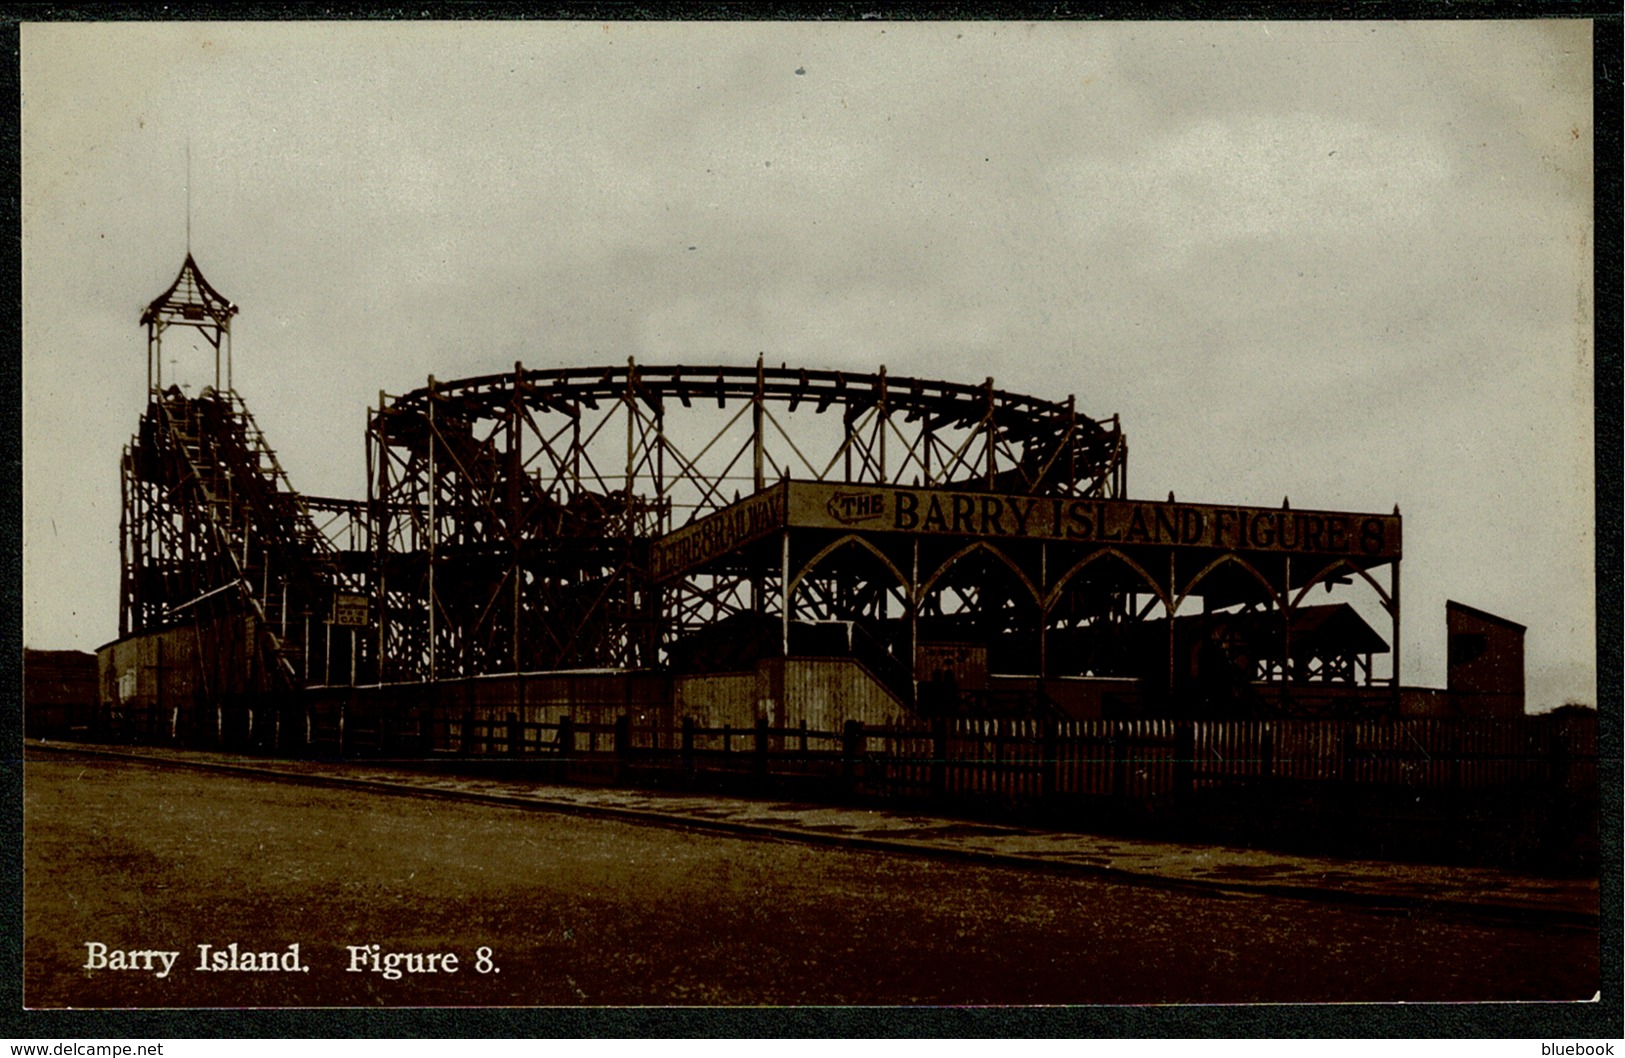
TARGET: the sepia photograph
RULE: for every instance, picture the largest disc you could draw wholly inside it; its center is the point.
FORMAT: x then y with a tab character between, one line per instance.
809	515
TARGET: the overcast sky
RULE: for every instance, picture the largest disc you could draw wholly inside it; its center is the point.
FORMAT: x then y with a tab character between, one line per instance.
1345	262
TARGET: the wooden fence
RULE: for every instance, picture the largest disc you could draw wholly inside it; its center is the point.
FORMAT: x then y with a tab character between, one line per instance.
1148	760
1514	790
1011	760
993	760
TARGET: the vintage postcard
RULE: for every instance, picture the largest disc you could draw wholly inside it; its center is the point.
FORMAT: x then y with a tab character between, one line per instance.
908	514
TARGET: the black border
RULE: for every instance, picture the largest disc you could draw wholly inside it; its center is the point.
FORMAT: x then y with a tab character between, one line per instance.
1538	1021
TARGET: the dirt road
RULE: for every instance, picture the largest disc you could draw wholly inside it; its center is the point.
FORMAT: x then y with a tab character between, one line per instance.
570	911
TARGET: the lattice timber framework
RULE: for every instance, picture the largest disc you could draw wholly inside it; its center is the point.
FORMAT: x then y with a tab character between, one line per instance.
514	513
943	536
218	548
702	519
212	527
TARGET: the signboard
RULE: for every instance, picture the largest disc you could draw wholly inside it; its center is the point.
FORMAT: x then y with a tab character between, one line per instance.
985	515
350	610
964	663
718	534
1108	522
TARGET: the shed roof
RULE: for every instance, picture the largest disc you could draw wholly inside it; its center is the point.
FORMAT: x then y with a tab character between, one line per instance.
1483	615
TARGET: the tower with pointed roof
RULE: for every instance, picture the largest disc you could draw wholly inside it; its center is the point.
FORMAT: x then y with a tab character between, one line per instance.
189	302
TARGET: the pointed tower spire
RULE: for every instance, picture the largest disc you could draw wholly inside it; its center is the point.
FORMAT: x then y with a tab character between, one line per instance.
189	302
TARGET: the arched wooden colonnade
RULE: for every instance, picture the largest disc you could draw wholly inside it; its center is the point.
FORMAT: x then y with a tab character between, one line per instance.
1039	575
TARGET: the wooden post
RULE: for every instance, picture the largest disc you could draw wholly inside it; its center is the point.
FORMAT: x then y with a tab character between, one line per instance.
784	590
882	420
1266	753
1184	761
623	736
757	477
465	745
939	757
623	744
1048	763
761	747
516	737
565	740
1119	761
515	463
1001	779
1043	616
914	602
851	743
1394	588
687	749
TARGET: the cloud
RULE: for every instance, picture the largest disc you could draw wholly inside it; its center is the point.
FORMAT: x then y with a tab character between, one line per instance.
1349	261
1297	177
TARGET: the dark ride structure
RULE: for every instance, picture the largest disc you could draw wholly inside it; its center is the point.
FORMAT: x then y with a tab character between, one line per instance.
730	542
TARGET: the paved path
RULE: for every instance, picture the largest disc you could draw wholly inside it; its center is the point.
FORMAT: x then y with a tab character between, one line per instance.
1476	891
